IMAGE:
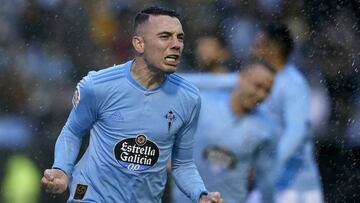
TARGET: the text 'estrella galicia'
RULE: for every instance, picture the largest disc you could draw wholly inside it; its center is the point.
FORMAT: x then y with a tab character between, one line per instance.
136	153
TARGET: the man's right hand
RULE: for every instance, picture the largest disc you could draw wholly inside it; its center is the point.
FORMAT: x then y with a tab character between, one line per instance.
55	181
212	197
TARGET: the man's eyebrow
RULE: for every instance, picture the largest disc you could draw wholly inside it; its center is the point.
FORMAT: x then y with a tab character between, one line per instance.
164	33
170	33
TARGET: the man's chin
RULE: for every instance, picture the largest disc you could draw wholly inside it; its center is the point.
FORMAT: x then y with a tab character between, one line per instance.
170	69
251	106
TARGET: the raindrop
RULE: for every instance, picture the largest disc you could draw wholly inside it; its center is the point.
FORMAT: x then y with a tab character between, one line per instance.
350	121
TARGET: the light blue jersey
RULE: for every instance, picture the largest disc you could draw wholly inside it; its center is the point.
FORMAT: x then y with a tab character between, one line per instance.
288	105
133	132
227	147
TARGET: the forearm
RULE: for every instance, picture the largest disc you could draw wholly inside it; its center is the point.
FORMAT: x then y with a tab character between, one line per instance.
266	171
66	150
297	125
188	179
266	186
291	142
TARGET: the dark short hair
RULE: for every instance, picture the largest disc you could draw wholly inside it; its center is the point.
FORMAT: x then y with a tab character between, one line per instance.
144	15
247	65
280	34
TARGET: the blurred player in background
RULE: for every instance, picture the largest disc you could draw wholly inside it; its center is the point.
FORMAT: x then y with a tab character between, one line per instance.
139	115
288	105
211	55
233	136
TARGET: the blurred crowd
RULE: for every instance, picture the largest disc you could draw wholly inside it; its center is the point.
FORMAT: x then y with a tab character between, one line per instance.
46	46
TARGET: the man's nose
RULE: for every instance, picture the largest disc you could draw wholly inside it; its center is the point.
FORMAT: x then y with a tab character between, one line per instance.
176	44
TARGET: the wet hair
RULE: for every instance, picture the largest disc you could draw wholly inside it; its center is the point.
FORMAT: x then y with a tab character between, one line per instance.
144	15
248	64
280	34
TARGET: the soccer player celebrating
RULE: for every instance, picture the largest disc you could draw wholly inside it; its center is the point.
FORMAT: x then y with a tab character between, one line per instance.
139	115
234	137
288	106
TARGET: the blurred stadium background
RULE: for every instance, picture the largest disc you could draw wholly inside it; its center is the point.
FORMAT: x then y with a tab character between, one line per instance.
46	46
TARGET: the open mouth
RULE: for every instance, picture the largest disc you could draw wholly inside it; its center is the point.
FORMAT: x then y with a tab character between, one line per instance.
172	59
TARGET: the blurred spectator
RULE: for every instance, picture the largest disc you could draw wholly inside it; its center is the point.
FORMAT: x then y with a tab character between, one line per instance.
211	55
239	34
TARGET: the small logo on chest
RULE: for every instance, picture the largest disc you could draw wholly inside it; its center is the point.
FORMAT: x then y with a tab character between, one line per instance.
170	118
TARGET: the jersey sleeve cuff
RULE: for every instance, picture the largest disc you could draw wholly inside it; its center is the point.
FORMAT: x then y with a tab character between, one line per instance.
203	193
66	170
198	194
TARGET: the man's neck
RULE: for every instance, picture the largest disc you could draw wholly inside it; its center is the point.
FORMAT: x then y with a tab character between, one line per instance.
217	68
278	64
237	109
146	76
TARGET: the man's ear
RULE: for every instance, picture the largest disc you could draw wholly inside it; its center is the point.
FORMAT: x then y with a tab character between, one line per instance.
138	44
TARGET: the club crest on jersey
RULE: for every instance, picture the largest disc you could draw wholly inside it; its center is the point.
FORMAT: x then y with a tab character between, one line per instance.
136	153
170	118
76	97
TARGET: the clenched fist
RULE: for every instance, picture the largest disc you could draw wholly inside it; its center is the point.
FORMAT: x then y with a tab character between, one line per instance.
212	197
55	181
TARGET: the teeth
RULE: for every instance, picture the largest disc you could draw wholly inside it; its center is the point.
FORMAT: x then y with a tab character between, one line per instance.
170	59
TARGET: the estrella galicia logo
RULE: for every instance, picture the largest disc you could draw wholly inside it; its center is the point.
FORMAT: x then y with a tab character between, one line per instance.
220	157
170	117
136	153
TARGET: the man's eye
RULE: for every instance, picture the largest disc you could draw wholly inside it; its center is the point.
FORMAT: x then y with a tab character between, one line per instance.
164	36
